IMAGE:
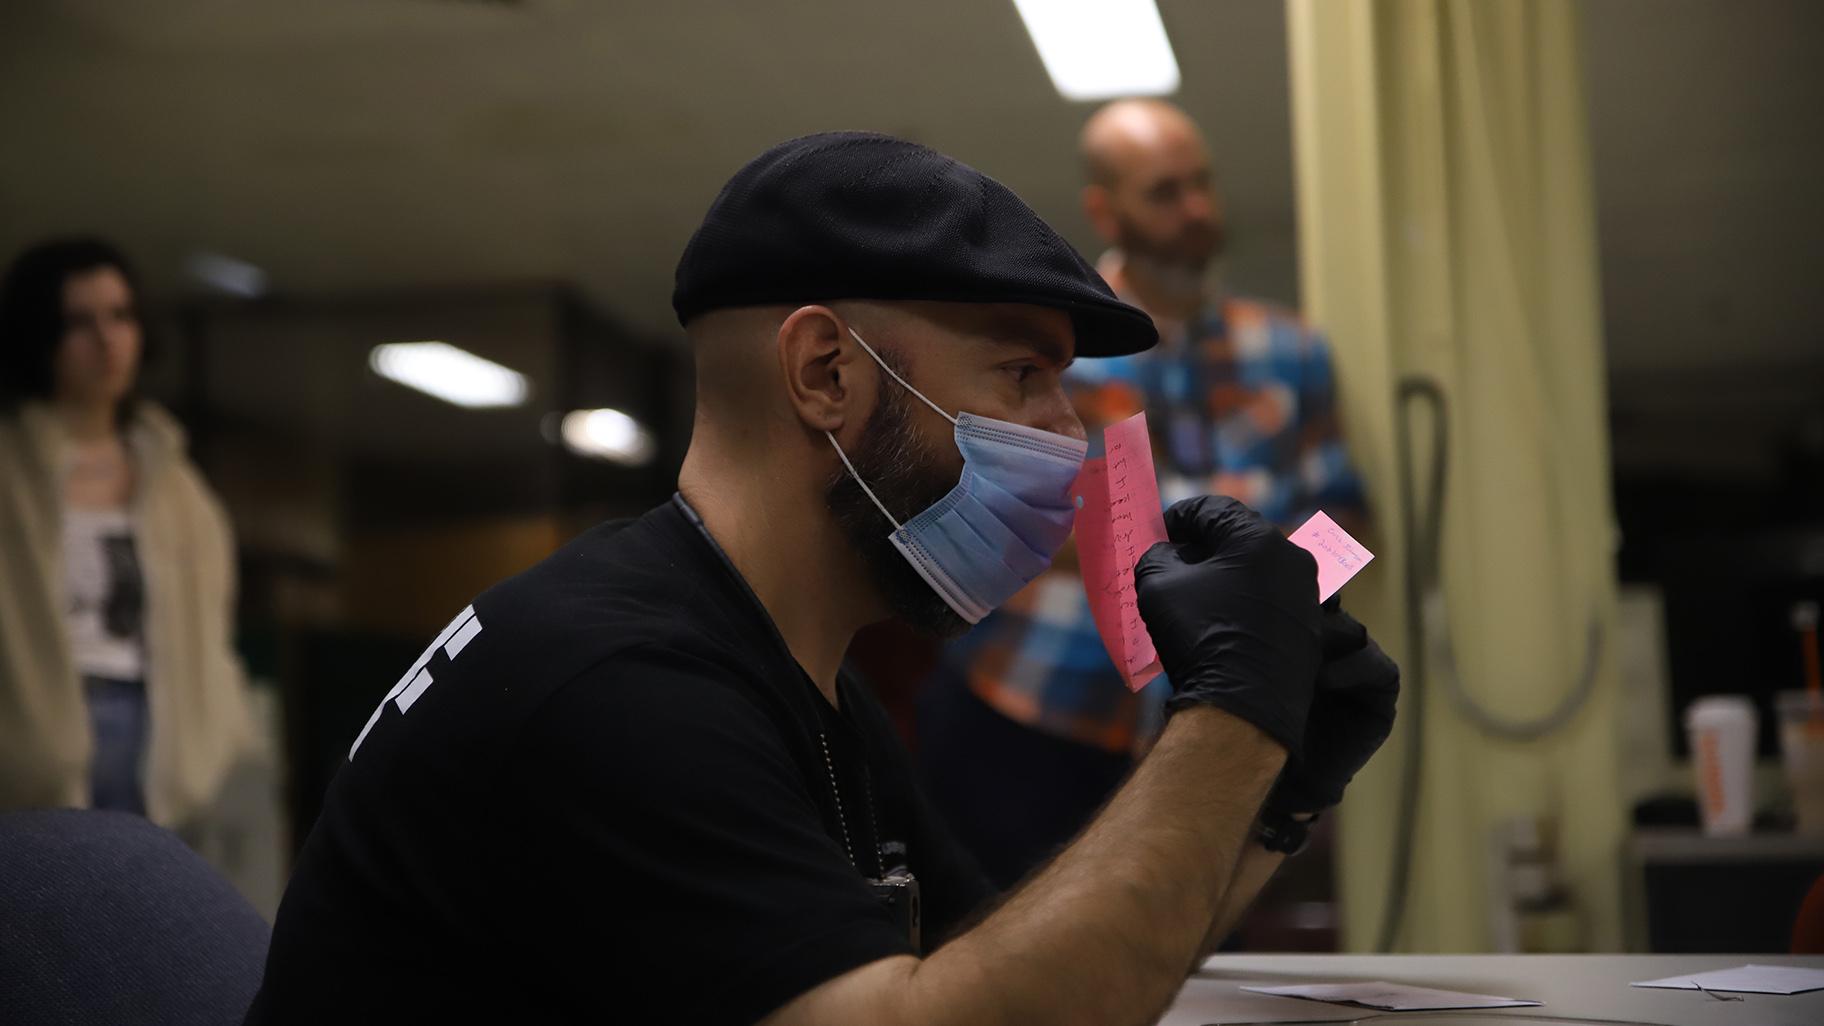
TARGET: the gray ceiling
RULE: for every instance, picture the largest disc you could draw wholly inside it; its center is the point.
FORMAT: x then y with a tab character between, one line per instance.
362	144
369	143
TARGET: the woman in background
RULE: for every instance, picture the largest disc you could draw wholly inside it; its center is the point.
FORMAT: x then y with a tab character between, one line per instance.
119	688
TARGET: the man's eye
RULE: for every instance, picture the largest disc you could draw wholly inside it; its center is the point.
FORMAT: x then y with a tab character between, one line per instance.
1023	371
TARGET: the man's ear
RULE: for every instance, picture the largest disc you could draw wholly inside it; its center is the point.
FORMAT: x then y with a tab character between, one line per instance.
818	365
1098	206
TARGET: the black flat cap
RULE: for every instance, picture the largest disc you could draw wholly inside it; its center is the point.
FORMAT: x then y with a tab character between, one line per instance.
854	215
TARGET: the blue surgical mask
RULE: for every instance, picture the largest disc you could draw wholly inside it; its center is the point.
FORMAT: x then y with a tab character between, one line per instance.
1008	515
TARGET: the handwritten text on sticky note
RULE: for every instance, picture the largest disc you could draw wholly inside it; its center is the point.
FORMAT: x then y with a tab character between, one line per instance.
1118	519
1339	557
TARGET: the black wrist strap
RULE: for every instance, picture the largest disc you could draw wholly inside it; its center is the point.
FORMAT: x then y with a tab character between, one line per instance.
1279	832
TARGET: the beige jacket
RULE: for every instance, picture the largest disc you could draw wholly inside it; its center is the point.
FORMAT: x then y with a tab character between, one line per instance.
195	688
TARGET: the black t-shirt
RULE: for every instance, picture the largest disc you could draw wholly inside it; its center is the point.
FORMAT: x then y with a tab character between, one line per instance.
607	791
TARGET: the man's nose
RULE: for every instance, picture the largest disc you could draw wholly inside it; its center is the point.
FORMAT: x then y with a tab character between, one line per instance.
1198	206
1062	419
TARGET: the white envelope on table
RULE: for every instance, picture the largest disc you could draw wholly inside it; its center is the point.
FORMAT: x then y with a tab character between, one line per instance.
1391	997
1747	979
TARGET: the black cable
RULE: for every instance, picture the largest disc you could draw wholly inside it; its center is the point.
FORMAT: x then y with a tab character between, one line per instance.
1421	566
1424	540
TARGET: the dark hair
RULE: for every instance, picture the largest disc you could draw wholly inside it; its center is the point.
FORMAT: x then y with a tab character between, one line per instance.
31	310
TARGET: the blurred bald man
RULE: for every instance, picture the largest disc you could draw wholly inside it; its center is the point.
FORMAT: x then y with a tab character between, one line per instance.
1241	401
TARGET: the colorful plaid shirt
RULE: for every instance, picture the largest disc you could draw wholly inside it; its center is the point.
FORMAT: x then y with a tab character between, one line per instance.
1242	402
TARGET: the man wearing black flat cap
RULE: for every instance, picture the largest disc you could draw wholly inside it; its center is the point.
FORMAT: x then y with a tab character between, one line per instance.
633	785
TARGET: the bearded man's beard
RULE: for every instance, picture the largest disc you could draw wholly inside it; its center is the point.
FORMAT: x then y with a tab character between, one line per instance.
1181	263
904	476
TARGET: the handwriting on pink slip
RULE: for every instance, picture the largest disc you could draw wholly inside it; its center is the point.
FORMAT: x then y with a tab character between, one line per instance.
1118	519
1339	557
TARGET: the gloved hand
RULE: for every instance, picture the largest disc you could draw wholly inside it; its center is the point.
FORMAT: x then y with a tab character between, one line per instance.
1351	714
1232	608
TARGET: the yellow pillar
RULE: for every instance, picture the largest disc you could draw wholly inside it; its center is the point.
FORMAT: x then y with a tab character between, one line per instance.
1446	229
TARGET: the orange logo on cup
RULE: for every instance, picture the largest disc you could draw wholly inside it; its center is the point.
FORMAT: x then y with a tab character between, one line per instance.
1710	768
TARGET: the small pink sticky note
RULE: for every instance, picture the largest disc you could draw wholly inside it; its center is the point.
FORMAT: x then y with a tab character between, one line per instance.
1339	557
1118	519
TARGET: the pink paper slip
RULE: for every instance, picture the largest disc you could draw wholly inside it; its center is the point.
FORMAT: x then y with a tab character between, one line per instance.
1339	557
1118	519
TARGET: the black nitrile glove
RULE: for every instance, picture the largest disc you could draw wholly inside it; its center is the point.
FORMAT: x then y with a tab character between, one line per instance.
1232	608
1351	714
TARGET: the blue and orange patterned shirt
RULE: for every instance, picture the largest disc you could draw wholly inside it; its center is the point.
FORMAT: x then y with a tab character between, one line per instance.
1240	402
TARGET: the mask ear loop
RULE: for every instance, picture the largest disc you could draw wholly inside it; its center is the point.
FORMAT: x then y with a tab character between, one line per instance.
902	381
863	484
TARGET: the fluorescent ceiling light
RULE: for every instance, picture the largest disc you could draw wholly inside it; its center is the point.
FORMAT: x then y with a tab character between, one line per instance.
1102	49
226	274
607	435
451	374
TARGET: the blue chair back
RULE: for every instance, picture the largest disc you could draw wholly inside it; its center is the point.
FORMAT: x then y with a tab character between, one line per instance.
105	917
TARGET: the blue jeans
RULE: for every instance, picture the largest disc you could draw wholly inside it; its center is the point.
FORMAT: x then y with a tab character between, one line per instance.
117	714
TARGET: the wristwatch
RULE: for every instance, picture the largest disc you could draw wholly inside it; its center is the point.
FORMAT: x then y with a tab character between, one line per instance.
1280	832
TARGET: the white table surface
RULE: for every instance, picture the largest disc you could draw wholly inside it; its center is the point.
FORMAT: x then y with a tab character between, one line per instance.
1571	986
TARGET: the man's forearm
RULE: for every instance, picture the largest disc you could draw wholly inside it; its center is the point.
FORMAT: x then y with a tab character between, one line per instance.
1252	871
1106	932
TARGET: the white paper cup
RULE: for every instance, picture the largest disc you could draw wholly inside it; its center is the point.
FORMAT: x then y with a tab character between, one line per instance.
1722	732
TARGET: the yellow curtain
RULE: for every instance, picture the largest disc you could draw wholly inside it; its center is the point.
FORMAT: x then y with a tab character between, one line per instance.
1446	229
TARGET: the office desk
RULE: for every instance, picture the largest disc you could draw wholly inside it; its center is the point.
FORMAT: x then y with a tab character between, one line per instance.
1581	986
